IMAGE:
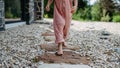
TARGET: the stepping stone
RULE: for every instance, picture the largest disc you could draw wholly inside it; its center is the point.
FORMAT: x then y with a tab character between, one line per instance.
63	66
53	47
49	47
48	34
50	30
74	48
68	57
49	38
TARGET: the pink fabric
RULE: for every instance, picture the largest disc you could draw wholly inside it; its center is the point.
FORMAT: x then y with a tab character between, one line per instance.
62	19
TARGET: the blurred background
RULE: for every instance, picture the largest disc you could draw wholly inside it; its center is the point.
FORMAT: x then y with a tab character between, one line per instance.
94	10
88	10
12	8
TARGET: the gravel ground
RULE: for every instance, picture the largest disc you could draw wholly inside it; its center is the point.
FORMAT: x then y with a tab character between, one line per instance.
20	44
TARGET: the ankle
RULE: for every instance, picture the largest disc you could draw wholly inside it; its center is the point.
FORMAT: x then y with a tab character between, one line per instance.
59	44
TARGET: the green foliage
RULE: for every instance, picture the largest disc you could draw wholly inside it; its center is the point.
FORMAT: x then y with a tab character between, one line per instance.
12	8
76	16
102	10
96	12
86	14
50	13
116	18
108	5
105	16
8	14
82	14
45	15
82	4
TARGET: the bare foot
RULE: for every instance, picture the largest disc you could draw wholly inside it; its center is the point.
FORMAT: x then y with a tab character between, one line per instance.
65	44
60	50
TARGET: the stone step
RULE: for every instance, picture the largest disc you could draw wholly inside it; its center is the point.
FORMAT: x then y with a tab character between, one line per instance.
63	66
7	26
68	57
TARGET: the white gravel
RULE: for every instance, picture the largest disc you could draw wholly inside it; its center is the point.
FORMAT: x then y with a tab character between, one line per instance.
19	45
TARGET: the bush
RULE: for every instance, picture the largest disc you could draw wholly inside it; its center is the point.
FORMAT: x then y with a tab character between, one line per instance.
45	15
12	9
86	15
76	16
96	12
82	14
116	18
50	13
8	14
105	18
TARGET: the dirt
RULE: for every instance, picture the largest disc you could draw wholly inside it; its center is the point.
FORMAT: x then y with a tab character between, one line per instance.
68	57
